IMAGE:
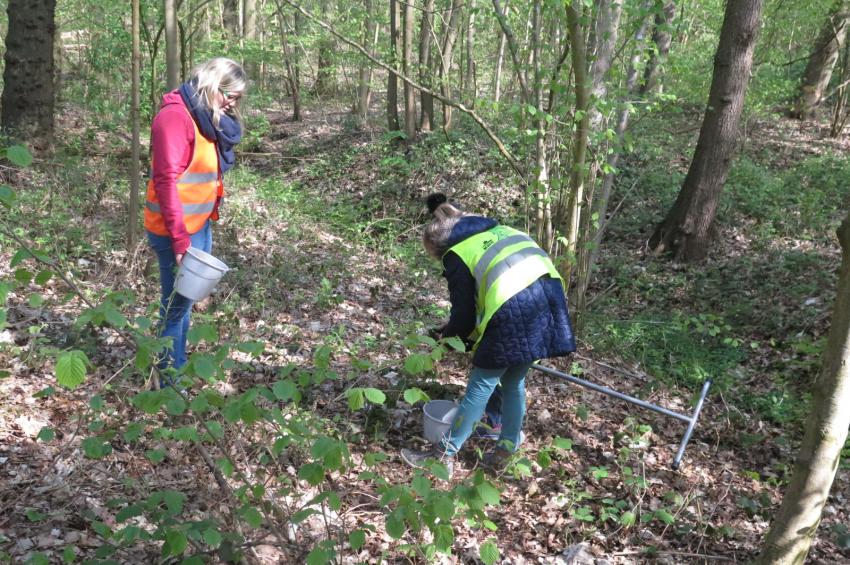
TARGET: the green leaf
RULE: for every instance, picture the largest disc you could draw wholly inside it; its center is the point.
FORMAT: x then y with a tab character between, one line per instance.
71	368
375	396
302	515
186	433
176	542
130	511
313	473
284	390
444	507
489	552
212	537
488	493
356	398
252	516
563	443
202	331
628	518
96	448
395	526
35	300
46	434
421	485
34	515
203	365
254	348
664	516
155	456
68	554
357	539
7	196
19	155
414	395
226	466
173	500
418	363
444	537
320	556
455	343
38	558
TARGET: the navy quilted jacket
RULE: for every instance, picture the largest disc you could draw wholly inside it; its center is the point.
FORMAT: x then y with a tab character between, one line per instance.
534	324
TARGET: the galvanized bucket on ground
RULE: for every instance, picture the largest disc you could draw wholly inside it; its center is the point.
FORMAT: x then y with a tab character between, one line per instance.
437	419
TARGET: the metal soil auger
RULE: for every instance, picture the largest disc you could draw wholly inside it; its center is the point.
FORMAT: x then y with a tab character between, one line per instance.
690	420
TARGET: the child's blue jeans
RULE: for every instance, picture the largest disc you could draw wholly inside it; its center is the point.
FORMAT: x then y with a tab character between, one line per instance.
478	391
174	309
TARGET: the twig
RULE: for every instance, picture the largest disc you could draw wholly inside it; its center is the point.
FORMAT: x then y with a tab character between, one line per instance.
677	554
611	367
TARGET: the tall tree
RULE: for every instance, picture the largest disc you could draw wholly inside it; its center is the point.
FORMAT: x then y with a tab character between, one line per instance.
28	89
795	524
364	73
452	22
822	60
407	69
662	38
686	230
172	59
500	58
471	83
392	78
426	66
230	17
135	172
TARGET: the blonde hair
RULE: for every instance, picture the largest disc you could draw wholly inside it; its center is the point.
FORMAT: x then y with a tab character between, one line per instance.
436	235
214	76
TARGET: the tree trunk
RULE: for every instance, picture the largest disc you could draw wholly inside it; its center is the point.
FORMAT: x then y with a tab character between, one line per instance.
172	58
392	78
578	54
794	527
662	38
135	150
605	35
471	86
686	231
326	72
447	51
230	17
407	68
822	60
500	59
543	220
600	204
364	73
28	96
291	64
249	19
426	66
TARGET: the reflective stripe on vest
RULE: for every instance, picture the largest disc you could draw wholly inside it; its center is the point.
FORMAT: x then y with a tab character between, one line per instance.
503	261
198	189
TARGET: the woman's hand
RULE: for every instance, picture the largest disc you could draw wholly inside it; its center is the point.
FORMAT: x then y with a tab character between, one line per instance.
178	258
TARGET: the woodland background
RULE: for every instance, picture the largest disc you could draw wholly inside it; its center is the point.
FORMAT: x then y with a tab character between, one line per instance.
684	162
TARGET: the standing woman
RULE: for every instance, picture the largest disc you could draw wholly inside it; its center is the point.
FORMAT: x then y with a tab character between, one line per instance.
192	141
507	299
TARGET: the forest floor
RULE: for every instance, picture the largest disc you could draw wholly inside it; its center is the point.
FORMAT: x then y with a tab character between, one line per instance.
322	224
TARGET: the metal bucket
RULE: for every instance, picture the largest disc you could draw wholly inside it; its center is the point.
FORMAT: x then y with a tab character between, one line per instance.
198	274
437	419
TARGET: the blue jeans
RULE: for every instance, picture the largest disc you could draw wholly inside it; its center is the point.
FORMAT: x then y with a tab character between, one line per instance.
482	382
174	309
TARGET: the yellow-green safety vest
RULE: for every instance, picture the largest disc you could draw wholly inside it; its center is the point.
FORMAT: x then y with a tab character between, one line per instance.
503	261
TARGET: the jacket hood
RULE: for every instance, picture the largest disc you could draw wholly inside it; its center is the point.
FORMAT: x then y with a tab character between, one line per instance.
468	226
172	97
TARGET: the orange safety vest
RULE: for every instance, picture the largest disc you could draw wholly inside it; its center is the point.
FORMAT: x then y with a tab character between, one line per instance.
198	188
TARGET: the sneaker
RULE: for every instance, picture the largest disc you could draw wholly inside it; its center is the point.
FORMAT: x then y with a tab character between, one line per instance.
496	459
420	459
